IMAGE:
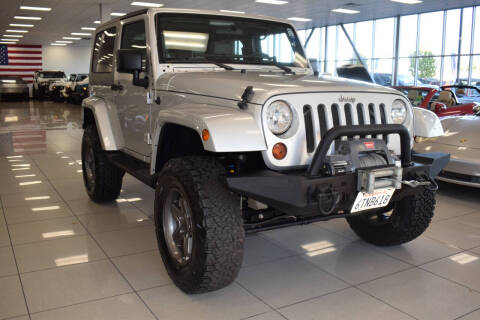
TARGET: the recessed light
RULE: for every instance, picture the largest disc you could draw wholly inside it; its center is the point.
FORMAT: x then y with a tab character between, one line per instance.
80	34
277	2
13	35
346	11
232	11
27	18
87	28
21	25
71	38
58	44
5	42
10	39
97	21
17	31
117	14
63	41
146	4
35	8
299	19
408	1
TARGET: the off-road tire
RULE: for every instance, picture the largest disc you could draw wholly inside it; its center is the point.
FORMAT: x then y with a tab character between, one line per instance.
411	216
218	233
107	177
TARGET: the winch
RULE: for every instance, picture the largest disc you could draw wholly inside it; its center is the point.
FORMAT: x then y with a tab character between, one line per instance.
376	166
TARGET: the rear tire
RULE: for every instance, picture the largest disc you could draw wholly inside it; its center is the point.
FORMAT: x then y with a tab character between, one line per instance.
209	255
103	181
410	217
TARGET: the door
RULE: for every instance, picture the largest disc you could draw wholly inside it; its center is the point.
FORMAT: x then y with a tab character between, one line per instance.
131	100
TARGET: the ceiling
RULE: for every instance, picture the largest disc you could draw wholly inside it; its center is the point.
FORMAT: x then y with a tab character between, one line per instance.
70	15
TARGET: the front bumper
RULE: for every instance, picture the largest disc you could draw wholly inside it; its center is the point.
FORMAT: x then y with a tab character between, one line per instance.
303	193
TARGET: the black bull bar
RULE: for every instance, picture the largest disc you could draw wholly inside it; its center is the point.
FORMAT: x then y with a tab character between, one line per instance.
301	192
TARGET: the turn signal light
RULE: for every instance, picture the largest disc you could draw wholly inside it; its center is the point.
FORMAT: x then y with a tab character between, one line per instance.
205	134
279	151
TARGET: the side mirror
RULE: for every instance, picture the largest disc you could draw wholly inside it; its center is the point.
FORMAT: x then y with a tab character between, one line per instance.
130	61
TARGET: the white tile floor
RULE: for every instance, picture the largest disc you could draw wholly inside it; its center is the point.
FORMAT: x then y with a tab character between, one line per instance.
65	257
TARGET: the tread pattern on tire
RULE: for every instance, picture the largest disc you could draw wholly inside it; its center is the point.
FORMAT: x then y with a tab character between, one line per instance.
108	178
222	224
410	218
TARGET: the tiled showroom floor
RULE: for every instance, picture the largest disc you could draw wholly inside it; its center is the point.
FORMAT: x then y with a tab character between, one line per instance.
65	257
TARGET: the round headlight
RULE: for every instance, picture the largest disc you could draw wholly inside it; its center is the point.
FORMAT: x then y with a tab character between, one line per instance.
279	117
399	111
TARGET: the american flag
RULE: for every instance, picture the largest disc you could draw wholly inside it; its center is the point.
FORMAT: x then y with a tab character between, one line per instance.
20	60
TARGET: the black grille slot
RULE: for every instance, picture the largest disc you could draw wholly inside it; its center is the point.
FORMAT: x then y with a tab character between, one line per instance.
361	118
383	113
371	113
336	117
322	117
307	115
383	118
348	114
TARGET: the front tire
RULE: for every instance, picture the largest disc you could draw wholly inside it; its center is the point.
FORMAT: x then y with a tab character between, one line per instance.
409	218
103	181
198	224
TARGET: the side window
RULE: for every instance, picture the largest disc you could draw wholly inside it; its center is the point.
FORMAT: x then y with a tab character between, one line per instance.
133	36
102	61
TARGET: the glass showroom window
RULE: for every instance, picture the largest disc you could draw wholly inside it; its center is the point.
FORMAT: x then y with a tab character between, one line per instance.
364	39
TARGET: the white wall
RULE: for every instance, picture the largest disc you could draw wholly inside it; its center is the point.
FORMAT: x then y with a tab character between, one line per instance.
68	59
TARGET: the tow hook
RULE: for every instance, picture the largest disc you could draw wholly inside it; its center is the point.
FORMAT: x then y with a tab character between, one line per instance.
428	182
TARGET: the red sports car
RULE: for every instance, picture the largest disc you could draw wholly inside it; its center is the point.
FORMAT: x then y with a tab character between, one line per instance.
443	101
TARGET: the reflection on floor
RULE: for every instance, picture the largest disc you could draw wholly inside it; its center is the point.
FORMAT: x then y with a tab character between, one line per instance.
64	257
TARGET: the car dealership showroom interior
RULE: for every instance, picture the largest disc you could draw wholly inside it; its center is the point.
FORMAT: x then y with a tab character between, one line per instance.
230	160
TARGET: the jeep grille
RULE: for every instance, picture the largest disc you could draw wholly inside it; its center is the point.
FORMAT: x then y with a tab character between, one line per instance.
334	115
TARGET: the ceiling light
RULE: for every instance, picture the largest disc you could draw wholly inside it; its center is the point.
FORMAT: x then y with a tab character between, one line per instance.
87	28
35	8
277	2
347	11
408	1
63	41
21	25
71	38
10	39
232	11
117	14
27	18
5	42
80	34
58	44
299	19
13	35
97	21
146	4
17	31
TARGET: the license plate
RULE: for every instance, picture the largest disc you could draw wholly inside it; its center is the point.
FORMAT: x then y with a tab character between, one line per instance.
367	201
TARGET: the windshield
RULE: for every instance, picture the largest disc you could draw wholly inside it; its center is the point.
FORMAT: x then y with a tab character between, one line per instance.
203	38
51	74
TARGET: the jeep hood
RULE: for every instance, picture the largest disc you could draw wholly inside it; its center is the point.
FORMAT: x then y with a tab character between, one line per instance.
232	84
461	131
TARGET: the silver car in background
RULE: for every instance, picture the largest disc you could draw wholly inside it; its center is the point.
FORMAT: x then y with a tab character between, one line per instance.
461	141
13	87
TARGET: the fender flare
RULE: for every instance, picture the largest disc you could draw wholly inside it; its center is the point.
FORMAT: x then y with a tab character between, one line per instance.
230	130
107	121
427	124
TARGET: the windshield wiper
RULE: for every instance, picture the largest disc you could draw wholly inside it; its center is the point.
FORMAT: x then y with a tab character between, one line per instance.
198	59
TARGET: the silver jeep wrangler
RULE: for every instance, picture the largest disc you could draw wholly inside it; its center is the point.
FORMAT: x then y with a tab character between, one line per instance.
222	115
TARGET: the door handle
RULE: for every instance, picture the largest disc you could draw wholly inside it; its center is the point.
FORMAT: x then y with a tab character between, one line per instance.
116	87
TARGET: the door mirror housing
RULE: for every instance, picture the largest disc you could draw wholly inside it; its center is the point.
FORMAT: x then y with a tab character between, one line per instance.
130	61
